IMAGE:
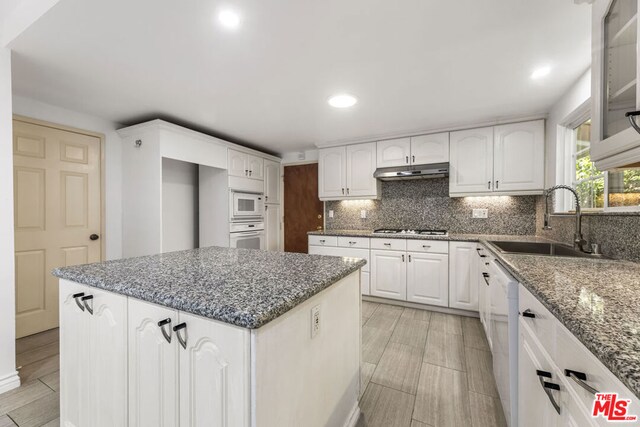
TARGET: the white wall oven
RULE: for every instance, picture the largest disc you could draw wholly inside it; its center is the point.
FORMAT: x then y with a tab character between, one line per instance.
247	235
246	206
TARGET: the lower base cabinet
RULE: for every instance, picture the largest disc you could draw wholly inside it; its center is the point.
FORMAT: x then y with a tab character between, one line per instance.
428	278
463	268
389	274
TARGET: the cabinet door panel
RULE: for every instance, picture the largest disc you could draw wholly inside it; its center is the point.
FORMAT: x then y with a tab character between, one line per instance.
238	164
471	161
256	167
519	157
393	152
388	274
332	181
428	278
271	182
214	374
107	376
430	148
361	164
153	366
272	224
463	285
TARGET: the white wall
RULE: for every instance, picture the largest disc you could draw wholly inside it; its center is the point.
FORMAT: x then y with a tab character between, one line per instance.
308	156
8	374
179	205
113	160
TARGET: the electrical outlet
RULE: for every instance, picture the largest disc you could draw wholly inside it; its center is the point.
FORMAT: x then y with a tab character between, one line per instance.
315	321
480	213
330	213
363	214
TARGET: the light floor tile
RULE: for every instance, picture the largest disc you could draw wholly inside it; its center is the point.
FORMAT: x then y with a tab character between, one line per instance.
399	367
374	342
447	323
416	314
37	413
368	308
486	411
23	395
37	354
37	340
446	350
480	371
385	407
473	333
410	332
52	380
366	372
385	317
39	369
5	421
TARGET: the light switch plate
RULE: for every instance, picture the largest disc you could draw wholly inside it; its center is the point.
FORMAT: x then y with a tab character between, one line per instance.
480	213
363	214
330	213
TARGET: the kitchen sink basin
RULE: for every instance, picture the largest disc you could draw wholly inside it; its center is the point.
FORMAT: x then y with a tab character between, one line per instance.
539	248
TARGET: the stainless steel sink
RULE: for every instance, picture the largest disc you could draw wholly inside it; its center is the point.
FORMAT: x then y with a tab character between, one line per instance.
539	248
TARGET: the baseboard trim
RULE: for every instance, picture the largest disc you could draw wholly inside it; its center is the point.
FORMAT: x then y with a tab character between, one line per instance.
354	416
9	382
421	306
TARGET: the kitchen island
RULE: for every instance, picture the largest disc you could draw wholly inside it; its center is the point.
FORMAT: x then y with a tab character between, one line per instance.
213	336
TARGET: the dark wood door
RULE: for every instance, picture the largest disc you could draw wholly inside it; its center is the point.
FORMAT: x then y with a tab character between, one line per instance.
302	209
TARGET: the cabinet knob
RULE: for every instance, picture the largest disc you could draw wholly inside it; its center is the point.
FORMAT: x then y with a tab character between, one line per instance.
177	329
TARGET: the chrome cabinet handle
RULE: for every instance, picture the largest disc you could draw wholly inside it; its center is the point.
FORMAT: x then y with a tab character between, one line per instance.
528	313
250	172
78	303
387	244
426	246
481	255
497	182
322	241
162	324
409	258
407	159
486	278
352	243
403	258
580	378
547	387
347	191
343	191
86	305
413	159
246	172
489	185
177	329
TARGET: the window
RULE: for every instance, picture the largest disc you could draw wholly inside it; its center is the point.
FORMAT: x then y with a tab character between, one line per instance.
596	189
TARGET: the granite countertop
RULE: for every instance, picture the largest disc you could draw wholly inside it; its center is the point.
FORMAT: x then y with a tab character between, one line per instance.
597	300
242	287
449	237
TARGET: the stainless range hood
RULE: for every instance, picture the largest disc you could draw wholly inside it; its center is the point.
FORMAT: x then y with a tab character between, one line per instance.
432	170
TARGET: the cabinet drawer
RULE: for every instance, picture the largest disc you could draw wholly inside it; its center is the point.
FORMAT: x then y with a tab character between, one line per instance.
343	252
323	240
389	244
353	242
573	355
542	325
428	246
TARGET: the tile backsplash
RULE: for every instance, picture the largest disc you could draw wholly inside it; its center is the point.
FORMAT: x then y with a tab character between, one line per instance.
426	204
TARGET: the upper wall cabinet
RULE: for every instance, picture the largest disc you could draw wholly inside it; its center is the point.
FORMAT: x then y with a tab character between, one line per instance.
271	182
347	172
417	150
245	165
614	89
500	160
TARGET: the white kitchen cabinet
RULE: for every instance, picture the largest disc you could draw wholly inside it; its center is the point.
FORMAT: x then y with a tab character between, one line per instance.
238	163
153	365
332	173
519	157
361	164
389	274
352	247
471	161
347	172
256	167
214	373
393	152
432	148
614	83
272	227
428	278
271	182
463	289
93	357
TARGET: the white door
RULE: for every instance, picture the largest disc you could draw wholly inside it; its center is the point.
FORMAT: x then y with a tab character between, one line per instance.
332	181
361	164
272	225
389	274
432	148
214	373
256	167
428	278
271	182
394	152
519	156
471	161
107	360
74	347
153	365
57	209
463	285
238	164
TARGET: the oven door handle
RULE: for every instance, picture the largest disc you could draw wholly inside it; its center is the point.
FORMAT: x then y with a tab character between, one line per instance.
249	234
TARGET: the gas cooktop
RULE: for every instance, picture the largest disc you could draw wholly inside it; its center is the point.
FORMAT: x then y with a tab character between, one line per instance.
412	232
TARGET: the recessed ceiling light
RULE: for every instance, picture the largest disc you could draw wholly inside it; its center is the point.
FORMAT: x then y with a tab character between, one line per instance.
541	72
342	101
229	18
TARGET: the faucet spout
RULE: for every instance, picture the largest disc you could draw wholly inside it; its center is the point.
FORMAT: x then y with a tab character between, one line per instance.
578	240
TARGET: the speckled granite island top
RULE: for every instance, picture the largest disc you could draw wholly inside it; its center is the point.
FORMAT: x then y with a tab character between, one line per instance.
243	287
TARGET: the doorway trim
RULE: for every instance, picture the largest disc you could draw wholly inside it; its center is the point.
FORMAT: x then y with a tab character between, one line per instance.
101	137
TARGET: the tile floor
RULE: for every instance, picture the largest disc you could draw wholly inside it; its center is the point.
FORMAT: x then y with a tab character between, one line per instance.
36	402
419	368
423	368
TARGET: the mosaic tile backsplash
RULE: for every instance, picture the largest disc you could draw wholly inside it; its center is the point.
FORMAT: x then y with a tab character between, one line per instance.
426	204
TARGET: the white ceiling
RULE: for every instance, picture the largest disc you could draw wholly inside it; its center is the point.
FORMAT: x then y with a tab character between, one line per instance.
413	64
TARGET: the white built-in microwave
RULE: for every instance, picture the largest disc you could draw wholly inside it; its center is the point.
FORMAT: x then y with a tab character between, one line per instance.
246	206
